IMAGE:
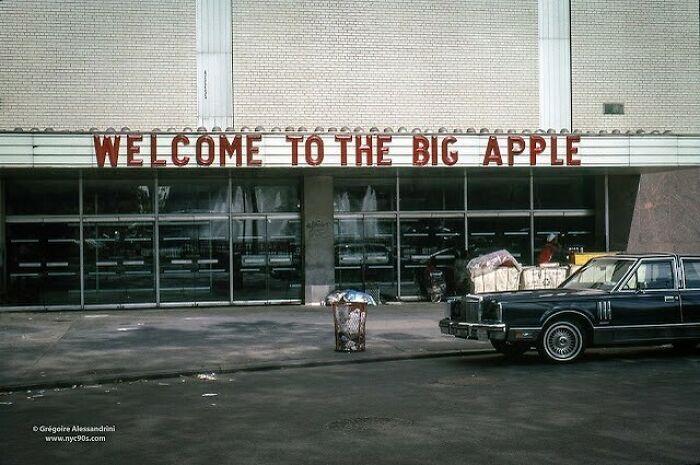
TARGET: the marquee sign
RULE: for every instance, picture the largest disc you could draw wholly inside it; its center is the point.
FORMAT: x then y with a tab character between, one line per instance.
343	150
334	150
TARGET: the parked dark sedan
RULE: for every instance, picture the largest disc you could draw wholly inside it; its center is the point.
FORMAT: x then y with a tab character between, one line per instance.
612	300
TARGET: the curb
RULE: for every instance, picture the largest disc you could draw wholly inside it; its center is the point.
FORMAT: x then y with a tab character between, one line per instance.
270	366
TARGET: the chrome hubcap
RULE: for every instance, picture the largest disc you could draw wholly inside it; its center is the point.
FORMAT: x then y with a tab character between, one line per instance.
563	341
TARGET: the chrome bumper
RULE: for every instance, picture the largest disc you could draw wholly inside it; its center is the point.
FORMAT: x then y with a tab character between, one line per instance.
479	331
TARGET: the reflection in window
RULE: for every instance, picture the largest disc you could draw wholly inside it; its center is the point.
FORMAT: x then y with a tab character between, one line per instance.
692	273
486	192
43	264
425	239
265	198
182	196
446	193
600	273
194	261
488	235
576	233
564	192
365	255
266	260
42	197
651	275
119	263
364	195
105	197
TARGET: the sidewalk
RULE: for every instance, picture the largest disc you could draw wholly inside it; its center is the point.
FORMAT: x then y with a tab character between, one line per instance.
66	348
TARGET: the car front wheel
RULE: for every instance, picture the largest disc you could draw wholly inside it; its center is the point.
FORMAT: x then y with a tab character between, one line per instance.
562	342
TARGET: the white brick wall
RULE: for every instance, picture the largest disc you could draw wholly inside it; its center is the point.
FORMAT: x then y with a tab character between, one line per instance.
78	63
643	53
414	63
429	63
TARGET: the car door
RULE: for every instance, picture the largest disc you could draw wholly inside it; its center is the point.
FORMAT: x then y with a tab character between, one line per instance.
690	292
647	304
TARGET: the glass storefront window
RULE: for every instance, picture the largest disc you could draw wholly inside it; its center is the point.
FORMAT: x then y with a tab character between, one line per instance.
564	192
431	193
364	195
267	259
119	263
425	239
42	197
265	198
576	233
194	261
43	264
491	234
118	196
192	196
365	255
488	192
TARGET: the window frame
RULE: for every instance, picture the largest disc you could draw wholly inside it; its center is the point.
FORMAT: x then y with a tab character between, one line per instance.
642	261
685	277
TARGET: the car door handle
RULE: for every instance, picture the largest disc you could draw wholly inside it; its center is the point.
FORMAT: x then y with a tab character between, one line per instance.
670	298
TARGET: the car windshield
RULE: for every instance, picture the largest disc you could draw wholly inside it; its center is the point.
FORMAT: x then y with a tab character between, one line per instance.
599	273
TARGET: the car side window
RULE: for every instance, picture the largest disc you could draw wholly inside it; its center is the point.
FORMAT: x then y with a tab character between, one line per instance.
651	275
691	269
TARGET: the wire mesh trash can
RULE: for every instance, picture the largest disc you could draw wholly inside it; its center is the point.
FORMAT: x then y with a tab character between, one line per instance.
349	319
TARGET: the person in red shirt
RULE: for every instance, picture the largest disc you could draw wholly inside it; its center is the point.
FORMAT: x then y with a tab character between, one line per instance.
550	249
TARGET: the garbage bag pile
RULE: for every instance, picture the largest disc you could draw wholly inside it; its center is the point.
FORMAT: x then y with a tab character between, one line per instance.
350	323
349	296
489	262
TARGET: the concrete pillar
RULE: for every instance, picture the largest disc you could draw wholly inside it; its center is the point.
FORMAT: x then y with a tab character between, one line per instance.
667	213
319	259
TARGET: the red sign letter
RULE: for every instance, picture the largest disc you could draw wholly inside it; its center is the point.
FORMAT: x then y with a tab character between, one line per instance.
493	152
105	148
132	150
314	161
512	150
176	140
228	149
210	158
537	146
154	152
360	149
295	148
449	157
381	150
252	150
553	147
421	156
571	150
343	139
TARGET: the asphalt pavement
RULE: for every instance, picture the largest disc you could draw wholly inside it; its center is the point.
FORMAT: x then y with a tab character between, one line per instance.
635	406
56	349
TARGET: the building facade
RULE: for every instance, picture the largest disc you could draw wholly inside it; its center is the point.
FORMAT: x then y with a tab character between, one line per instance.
447	114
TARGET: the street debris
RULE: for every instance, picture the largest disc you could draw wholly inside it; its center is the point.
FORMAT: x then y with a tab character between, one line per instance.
207	376
209	394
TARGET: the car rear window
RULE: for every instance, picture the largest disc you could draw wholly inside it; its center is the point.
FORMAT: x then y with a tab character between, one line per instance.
691	269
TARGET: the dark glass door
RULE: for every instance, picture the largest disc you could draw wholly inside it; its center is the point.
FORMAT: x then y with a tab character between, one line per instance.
267	259
194	261
119	263
365	255
43	261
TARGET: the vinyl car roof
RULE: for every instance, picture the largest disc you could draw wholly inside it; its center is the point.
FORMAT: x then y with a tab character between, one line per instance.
649	255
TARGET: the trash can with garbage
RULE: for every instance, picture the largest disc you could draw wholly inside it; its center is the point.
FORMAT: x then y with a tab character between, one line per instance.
349	318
